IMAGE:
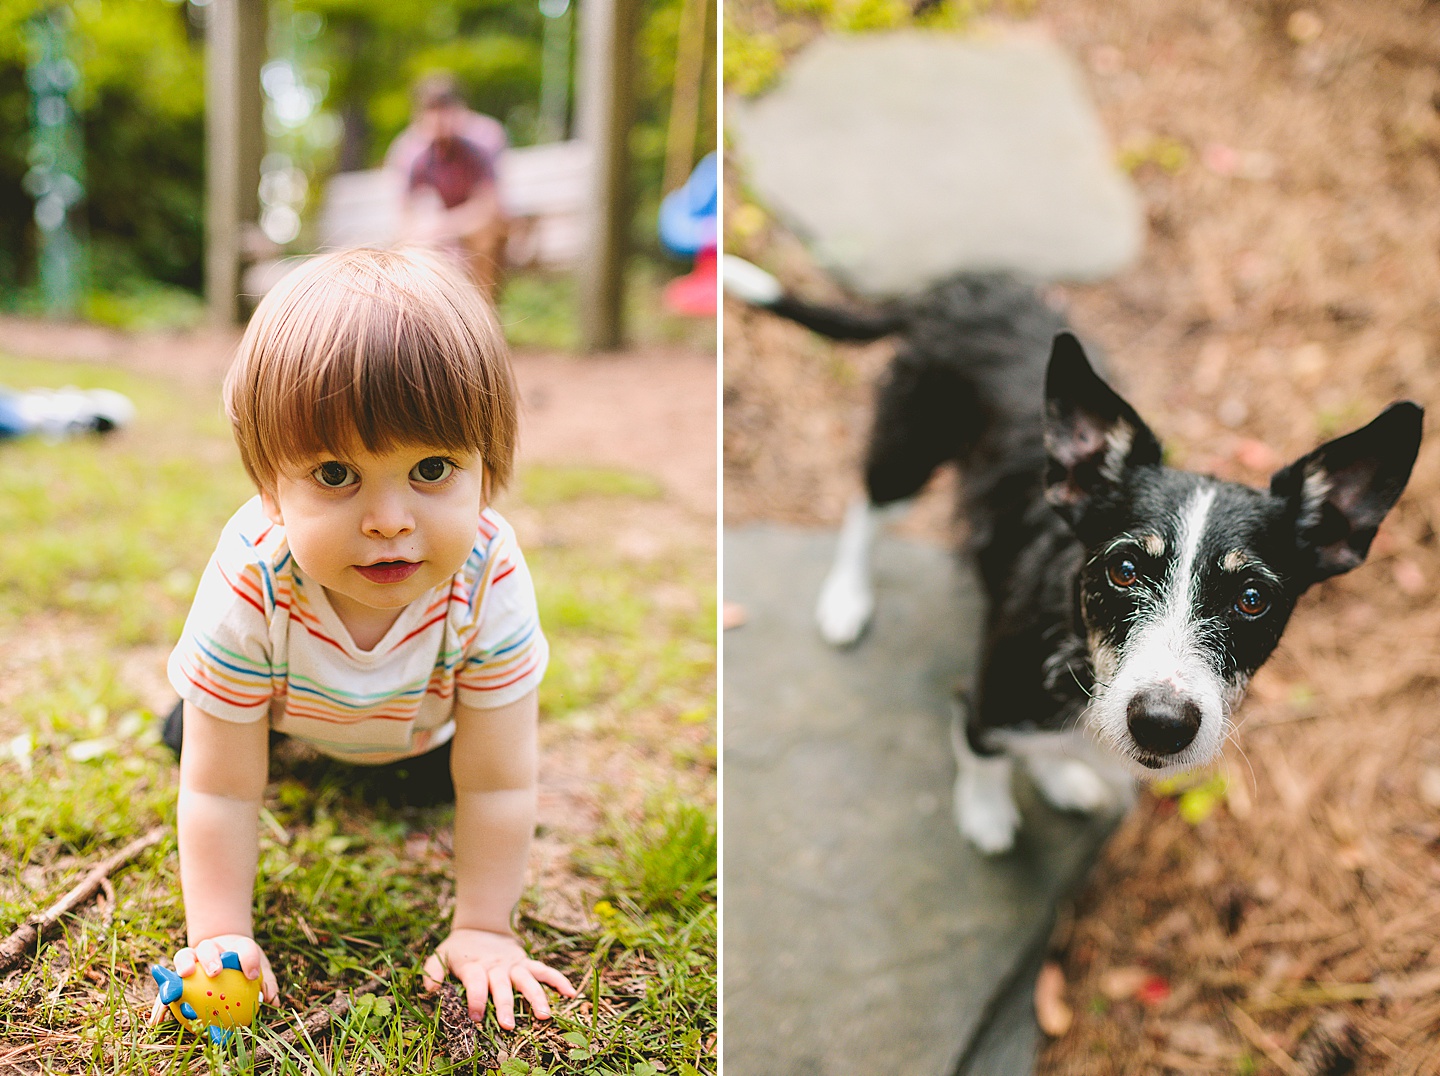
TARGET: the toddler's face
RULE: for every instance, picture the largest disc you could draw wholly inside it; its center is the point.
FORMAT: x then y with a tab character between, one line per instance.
378	531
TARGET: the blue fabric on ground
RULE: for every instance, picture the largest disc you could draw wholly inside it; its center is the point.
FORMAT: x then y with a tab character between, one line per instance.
12	423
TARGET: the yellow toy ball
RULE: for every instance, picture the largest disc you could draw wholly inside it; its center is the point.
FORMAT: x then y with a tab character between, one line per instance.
217	1003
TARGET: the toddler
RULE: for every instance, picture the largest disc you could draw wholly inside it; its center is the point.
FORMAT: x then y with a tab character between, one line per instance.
367	601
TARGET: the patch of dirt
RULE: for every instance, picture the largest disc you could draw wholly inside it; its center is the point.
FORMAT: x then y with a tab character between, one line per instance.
1289	289
651	411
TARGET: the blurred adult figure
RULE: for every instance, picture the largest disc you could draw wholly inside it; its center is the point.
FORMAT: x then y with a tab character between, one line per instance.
448	158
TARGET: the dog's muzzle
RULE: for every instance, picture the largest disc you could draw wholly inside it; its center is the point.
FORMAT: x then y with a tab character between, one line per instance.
1161	720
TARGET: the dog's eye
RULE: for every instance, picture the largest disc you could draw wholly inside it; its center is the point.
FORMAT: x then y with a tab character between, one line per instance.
1251	603
1122	572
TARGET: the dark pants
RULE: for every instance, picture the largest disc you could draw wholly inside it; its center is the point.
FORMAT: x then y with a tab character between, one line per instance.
422	781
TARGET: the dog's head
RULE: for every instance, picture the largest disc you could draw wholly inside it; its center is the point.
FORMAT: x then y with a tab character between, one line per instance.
1188	580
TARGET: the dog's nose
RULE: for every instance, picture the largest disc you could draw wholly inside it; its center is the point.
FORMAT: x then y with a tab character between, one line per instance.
1162	720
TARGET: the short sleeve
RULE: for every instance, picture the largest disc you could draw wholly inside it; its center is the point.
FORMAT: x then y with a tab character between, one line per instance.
507	659
223	661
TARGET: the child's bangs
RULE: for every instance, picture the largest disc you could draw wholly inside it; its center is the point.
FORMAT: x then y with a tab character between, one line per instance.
383	350
398	387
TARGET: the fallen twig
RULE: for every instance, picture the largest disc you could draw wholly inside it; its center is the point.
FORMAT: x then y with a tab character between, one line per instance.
1261	1038
1317	994
33	929
319	1019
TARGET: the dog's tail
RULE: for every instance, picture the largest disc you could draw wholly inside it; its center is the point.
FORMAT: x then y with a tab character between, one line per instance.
755	286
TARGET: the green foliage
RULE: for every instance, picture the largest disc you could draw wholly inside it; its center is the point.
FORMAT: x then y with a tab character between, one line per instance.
867	15
657	46
59	548
759	38
665	861
661	877
141	106
144	305
140	100
551	485
369	53
538	310
1170	155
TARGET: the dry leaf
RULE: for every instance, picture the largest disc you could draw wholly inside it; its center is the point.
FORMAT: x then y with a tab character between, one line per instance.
1051	1012
1120	984
1430	785
1256	455
1199	1040
1304	26
1409	577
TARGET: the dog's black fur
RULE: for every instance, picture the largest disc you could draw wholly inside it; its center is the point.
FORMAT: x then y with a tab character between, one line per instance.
1078	528
967	385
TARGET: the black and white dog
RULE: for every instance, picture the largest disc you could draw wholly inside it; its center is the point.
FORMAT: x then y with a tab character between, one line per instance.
1129	602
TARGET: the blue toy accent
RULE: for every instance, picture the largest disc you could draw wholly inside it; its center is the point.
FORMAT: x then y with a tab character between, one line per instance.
171	985
688	213
227	999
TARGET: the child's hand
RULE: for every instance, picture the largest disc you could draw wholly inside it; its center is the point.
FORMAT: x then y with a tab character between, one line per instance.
207	955
494	965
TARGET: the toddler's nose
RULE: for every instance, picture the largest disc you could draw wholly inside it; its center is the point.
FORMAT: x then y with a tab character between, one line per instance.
388	517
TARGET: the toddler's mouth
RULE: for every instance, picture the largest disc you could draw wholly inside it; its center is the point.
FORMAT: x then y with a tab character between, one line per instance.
388	571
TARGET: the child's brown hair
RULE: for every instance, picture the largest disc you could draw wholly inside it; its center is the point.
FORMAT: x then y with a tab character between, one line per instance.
377	349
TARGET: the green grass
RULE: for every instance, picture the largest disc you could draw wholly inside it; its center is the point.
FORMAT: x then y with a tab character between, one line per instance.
548	486
540	309
101	543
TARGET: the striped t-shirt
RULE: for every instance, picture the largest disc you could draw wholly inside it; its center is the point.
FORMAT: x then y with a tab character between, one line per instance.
262	641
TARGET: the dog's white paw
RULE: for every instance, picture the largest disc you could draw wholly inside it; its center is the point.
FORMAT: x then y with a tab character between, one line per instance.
844	610
987	815
1070	785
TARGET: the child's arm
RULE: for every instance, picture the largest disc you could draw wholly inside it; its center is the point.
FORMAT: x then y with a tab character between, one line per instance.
493	764
223	768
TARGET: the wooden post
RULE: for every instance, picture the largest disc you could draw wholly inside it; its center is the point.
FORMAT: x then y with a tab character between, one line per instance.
693	34
234	144
608	30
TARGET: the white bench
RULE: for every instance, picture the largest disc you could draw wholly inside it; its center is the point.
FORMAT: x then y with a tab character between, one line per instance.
544	189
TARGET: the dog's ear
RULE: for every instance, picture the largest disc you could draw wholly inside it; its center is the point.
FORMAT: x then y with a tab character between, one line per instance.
1340	492
1091	434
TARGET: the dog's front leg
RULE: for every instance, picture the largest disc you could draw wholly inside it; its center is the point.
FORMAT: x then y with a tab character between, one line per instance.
985	807
847	598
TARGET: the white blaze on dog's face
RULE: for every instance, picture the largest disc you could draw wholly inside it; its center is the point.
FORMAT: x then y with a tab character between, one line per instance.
1188	581
1180	609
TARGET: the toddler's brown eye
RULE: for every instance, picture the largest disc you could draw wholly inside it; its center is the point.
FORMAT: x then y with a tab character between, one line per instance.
1251	602
1123	572
432	469
333	474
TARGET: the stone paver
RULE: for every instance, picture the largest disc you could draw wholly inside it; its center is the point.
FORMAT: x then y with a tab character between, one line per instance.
861	935
901	158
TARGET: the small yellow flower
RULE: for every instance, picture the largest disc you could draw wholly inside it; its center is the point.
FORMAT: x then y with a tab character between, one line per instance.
604	909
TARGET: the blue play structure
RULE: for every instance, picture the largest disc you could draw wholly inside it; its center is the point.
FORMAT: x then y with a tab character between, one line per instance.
688	213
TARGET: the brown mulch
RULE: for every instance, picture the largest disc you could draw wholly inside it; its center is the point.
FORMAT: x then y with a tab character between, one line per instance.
1289	289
